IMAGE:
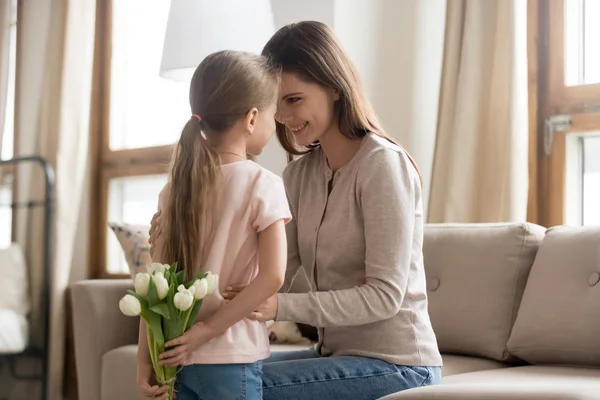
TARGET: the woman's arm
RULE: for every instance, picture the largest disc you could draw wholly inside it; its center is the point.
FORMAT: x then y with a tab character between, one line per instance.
389	193
293	255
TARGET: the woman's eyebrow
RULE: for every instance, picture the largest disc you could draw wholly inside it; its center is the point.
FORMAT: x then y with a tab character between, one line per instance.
290	95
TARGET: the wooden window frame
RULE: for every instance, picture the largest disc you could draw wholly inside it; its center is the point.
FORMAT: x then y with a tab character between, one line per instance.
106	163
563	98
549	96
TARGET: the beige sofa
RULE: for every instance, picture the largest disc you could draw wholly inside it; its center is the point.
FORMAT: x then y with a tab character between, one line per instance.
515	307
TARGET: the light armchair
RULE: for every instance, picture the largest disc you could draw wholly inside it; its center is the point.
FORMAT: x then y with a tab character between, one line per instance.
100	329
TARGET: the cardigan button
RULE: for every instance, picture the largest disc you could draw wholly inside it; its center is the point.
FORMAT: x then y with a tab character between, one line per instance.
434	284
594	279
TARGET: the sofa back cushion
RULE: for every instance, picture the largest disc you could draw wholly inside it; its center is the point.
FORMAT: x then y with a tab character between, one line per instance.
559	318
476	274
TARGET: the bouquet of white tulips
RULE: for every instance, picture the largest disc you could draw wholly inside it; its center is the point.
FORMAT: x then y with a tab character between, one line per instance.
169	305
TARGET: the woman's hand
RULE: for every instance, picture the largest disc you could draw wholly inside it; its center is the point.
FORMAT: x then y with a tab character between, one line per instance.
146	384
267	311
155	231
191	340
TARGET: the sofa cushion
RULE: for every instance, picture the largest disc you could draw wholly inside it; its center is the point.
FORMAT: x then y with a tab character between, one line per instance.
559	318
517	383
119	373
454	364
476	274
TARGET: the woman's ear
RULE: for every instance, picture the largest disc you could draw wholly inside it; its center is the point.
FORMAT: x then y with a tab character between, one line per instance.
336	94
250	120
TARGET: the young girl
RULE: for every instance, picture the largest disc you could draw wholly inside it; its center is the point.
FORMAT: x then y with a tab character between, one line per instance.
224	214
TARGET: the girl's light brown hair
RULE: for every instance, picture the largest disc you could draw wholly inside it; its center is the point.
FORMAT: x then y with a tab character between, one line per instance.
310	50
224	88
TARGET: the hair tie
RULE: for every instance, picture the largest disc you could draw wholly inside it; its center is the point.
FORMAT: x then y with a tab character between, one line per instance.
197	117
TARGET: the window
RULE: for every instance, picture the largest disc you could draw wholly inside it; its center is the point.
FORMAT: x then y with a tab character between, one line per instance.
7	137
139	117
569	77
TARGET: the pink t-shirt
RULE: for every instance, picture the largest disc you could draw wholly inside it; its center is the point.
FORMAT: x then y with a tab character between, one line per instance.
249	198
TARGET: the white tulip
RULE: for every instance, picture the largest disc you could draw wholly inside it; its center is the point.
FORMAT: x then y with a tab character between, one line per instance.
130	305
157	267
200	288
184	298
162	285
141	282
213	282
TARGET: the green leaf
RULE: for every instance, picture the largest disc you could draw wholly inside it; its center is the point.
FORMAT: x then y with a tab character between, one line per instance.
180	278
173	326
152	294
173	280
193	314
162	309
154	322
171	294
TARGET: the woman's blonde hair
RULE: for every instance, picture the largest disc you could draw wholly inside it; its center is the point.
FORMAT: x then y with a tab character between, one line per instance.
224	88
310	50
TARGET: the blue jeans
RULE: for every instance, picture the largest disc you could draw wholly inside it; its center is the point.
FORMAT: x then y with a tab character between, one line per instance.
220	382
305	375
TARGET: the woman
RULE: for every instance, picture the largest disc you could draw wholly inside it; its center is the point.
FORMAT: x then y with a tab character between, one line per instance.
357	230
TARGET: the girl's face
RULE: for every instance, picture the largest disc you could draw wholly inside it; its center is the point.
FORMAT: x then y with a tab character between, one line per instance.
306	108
263	129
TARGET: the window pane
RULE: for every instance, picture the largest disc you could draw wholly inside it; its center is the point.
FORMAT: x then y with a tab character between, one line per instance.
582	53
145	109
131	200
591	180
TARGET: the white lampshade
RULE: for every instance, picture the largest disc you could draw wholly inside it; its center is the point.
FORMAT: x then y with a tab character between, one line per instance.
197	28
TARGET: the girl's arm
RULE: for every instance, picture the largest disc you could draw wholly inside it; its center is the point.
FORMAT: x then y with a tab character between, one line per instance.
272	249
159	243
143	352
143	355
144	363
390	194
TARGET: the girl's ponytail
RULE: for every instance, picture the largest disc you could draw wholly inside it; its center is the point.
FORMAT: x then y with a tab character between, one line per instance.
193	173
225	86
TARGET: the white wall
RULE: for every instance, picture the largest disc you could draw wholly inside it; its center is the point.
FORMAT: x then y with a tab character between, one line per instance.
397	47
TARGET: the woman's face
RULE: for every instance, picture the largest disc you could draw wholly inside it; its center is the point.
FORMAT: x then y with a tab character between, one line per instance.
306	108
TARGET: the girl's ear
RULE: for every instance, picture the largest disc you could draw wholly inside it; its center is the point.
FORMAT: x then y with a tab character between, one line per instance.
250	120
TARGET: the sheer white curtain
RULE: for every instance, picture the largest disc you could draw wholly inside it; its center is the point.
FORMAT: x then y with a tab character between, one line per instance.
480	171
56	47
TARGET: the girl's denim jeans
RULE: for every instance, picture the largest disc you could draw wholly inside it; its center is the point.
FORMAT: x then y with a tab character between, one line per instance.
220	382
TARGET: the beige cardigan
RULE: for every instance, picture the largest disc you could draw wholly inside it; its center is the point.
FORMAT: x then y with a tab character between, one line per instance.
361	247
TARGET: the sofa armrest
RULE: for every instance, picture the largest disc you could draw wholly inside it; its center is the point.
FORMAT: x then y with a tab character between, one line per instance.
98	326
